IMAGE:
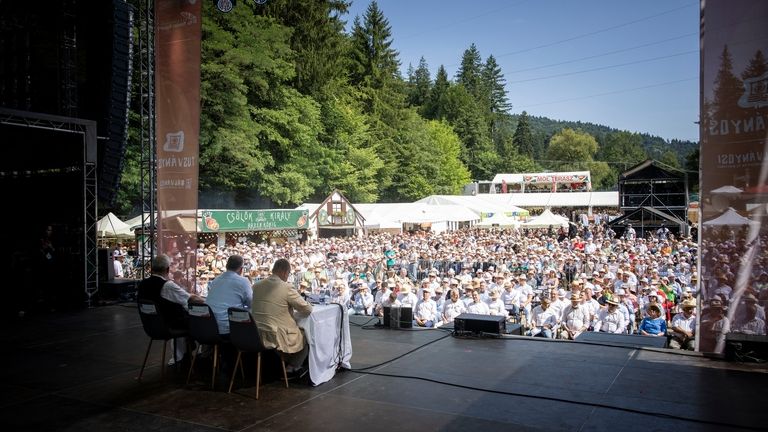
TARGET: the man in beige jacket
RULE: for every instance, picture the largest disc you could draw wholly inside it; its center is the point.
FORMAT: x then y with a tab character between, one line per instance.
274	301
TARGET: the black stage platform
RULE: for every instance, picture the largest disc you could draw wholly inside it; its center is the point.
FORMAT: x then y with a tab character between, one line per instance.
624	340
77	372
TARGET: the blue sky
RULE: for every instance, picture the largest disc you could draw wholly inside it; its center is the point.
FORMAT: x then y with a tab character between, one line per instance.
627	64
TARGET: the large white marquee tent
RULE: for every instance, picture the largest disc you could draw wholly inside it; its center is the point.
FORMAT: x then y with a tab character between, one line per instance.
394	215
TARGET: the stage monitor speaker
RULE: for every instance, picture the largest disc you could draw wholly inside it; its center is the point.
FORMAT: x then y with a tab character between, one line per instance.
474	323
401	317
387	317
106	267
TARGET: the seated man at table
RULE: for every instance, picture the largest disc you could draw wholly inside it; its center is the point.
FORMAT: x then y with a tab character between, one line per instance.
171	299
229	289
274	301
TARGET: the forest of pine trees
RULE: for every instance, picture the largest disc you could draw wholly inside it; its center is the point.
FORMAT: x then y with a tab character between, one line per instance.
294	106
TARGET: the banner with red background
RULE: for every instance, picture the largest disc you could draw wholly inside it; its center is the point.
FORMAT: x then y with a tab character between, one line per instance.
734	115
177	98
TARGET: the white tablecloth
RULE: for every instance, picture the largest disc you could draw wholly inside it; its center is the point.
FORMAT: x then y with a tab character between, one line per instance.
327	331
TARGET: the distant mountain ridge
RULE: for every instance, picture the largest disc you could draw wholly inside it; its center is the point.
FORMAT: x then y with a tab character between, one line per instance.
543	128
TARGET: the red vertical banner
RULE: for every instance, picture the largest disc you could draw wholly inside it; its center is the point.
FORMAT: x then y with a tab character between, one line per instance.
734	115
177	101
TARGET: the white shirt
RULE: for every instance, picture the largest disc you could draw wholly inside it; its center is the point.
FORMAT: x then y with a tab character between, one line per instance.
174	293
496	307
575	319
386	302
511	298
480	308
363	302
381	295
610	322
118	268
426	310
407	299
543	317
453	309
755	326
687	324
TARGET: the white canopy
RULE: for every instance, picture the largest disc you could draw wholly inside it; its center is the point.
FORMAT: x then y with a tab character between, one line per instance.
727	190
500	220
111	226
394	215
730	217
479	204
516	203
545	220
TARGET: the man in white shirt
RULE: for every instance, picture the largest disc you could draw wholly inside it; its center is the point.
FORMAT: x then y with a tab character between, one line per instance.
683	328
170	298
749	322
478	306
425	312
543	320
406	297
495	305
511	298
453	307
610	320
575	318
526	296
117	262
363	302
381	294
559	304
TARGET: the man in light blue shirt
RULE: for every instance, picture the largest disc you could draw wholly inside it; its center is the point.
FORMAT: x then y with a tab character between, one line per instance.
229	289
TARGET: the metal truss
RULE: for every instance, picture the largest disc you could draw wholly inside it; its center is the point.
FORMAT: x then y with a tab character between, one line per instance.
87	129
147	171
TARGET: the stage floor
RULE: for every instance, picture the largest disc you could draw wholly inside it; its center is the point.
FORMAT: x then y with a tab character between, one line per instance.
77	372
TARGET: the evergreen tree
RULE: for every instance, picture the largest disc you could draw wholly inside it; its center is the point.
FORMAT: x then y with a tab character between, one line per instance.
374	60
317	39
470	73
692	166
419	85
256	130
435	107
728	88
494	81
467	119
757	66
523	139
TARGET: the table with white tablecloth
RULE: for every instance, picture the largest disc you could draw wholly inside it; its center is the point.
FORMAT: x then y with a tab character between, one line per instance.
327	332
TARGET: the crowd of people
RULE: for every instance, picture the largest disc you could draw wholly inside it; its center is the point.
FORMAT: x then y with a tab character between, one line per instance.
555	283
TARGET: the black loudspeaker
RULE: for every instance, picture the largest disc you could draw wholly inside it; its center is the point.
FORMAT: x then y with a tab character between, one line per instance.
106	268
473	323
112	154
385	320
401	317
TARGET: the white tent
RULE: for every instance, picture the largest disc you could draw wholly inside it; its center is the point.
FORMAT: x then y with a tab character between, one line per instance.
545	220
134	222
111	226
499	220
394	215
727	190
729	217
479	204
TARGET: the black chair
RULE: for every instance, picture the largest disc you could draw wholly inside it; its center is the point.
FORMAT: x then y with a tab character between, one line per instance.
156	328
244	335
204	329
